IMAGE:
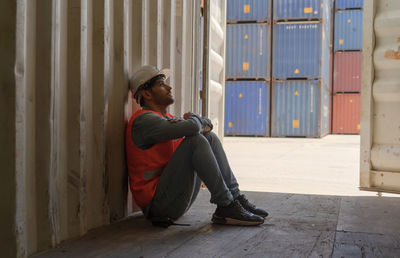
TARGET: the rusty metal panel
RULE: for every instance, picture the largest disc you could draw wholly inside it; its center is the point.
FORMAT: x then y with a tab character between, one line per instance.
380	97
346	114
347	72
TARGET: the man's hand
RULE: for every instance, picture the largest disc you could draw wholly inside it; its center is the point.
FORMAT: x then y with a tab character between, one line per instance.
187	115
207	125
206	129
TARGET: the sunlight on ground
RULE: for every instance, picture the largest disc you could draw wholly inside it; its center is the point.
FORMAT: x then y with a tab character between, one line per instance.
327	166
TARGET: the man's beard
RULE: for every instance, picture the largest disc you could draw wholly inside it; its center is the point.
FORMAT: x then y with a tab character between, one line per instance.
165	101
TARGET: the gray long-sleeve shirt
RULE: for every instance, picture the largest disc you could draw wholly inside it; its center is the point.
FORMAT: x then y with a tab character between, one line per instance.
150	128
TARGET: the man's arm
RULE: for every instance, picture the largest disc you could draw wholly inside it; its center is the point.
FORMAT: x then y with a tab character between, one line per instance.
150	128
207	126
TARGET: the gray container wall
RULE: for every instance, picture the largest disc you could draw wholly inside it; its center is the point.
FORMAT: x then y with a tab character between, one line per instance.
326	57
68	106
248	10
327	22
299	108
248	51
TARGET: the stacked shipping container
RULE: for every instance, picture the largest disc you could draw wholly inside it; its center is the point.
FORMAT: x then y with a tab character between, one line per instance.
300	68
247	108
247	89
347	67
297	90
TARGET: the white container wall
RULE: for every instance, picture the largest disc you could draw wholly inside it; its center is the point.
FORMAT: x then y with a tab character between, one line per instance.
380	97
65	69
214	63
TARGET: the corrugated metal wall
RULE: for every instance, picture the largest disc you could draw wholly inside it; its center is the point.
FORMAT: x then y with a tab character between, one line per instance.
299	108
247	108
349	4
296	50
380	96
297	9
248	58
346	113
347	72
213	90
347	64
248	10
348	30
248	50
301	48
66	94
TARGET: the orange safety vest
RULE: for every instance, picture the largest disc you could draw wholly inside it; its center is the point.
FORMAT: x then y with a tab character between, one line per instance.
145	166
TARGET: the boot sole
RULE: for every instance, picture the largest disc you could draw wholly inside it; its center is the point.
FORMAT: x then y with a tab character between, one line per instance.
231	221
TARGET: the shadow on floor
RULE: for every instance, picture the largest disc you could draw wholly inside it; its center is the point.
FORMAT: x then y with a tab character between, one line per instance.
298	226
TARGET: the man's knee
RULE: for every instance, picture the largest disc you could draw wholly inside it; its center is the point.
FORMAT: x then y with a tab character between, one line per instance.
211	137
196	139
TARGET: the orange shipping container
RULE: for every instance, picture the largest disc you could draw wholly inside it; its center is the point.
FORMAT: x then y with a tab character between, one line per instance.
346	114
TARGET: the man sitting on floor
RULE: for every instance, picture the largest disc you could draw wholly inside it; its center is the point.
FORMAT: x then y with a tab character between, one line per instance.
168	157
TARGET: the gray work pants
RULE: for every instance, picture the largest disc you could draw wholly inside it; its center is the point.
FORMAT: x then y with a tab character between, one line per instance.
198	158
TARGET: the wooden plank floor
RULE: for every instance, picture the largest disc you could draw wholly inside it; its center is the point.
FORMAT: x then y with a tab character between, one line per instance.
298	226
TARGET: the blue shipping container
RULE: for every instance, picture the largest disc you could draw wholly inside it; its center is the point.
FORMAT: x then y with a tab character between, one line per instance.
348	4
300	50
297	9
248	50
247	108
300	108
248	10
348	30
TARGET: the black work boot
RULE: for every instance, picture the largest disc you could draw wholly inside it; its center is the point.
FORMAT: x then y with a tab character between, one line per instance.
251	207
235	214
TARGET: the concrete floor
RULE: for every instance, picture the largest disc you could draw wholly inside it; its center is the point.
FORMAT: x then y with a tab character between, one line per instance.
309	186
328	166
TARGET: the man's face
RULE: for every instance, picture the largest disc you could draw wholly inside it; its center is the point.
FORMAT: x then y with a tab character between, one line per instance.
161	93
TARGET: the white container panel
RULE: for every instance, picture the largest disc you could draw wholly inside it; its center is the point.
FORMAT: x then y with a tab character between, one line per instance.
72	62
380	97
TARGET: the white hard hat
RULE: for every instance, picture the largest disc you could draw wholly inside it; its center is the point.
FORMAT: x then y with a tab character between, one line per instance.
144	74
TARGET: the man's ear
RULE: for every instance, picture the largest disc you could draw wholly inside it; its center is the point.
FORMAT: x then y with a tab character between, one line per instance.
146	94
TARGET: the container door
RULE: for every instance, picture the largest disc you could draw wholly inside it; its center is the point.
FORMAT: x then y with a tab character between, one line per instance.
213	91
380	97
